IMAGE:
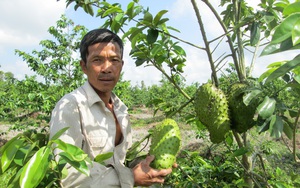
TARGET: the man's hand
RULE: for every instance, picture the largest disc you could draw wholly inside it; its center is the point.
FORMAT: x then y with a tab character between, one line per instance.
144	175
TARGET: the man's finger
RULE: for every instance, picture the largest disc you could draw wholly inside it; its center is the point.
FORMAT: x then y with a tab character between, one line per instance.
175	165
149	159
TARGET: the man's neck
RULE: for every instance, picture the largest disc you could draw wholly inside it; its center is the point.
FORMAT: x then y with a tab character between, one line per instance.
104	96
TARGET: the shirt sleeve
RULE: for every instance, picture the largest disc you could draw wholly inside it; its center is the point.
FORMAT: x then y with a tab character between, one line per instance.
66	114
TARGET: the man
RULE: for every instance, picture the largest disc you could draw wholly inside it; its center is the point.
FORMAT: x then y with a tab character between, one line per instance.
98	120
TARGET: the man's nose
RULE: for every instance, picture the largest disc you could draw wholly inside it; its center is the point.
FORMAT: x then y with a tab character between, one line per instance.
106	66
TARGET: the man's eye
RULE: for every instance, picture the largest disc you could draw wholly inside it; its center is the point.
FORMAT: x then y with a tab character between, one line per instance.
116	60
97	60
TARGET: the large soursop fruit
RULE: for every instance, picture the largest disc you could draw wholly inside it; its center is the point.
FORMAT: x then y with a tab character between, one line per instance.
211	107
165	144
241	114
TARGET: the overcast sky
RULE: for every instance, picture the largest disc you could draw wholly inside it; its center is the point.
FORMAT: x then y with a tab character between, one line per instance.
23	24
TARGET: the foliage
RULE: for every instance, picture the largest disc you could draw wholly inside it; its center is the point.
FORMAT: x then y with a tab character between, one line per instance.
55	64
205	173
165	98
29	160
216	167
285	38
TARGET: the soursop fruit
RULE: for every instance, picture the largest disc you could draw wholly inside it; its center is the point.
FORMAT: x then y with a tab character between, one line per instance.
211	107
165	144
241	114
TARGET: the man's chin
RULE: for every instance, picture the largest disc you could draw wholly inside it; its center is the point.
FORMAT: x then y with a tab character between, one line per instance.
103	88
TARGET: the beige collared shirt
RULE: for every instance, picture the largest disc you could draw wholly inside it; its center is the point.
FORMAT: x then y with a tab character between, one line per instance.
92	127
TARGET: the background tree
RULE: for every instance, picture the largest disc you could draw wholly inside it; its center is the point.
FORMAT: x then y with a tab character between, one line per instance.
56	66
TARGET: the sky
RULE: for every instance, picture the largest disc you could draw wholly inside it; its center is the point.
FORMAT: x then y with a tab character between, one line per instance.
23	24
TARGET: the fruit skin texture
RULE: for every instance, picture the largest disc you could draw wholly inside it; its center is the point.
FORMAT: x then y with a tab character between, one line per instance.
165	144
211	107
241	114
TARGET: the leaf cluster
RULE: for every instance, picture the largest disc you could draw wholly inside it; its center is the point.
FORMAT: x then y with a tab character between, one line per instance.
30	158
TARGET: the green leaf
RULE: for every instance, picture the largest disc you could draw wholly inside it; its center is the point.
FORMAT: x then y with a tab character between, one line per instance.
139	62
296	33
117	22
275	48
271	68
276	126
81	166
247	98
284	30
254	33
179	50
163	21
36	168
88	9
155	50
266	74
295	86
3	148
229	139
148	17
112	10
293	113
129	11
102	157
134	34
9	153
139	55
31	96
264	125
73	152
285	68
158	16
152	36
239	152
59	133
291	8
266	108
288	131
22	154
15	177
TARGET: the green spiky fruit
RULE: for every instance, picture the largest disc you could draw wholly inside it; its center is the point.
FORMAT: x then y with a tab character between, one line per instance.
165	144
241	114
211	107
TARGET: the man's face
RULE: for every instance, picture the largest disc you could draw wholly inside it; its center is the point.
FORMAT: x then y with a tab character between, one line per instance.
103	66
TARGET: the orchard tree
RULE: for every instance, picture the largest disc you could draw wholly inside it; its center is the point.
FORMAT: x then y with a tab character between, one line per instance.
56	65
7	81
57	72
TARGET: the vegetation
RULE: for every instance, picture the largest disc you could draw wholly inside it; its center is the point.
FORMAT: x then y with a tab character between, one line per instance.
241	159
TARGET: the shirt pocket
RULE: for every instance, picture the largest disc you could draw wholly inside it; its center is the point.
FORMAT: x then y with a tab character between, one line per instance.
97	142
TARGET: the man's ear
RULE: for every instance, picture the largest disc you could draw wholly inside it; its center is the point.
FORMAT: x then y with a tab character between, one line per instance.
83	66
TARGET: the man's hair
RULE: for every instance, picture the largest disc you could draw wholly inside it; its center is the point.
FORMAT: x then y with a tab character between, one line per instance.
98	36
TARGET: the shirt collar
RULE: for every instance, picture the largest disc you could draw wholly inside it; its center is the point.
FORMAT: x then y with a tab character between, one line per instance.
92	97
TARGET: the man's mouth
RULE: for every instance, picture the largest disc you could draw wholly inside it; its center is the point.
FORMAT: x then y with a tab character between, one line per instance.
105	79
